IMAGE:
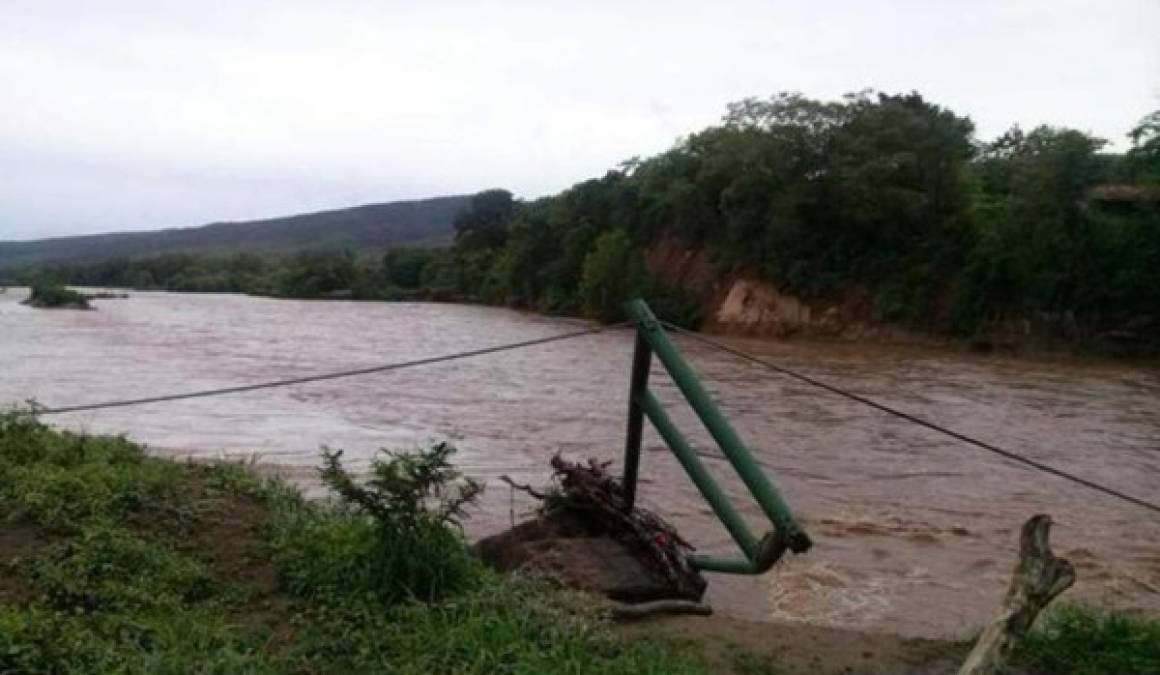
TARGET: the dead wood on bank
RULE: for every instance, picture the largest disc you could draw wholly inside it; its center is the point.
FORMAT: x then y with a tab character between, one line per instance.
1039	577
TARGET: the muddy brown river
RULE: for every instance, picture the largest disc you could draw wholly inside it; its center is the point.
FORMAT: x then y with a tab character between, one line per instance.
914	533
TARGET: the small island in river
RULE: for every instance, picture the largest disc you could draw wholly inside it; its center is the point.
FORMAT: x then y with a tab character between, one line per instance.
56	296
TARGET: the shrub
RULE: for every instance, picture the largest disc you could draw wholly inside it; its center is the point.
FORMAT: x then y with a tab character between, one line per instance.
398	536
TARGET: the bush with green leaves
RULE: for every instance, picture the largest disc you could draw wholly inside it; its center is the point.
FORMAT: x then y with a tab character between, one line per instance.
50	294
396	536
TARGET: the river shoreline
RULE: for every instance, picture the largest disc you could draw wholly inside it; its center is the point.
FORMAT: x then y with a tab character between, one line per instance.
1014	339
1011	343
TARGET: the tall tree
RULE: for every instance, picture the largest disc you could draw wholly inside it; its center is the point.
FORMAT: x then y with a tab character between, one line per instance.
484	223
1144	157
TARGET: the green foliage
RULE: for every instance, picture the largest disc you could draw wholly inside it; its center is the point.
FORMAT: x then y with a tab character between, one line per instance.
36	640
1080	640
104	597
406	489
750	664
124	592
315	273
49	294
811	195
65	481
404	266
613	274
888	195
110	570
1042	247
309	273
1144	157
503	628
484	223
180	272
409	548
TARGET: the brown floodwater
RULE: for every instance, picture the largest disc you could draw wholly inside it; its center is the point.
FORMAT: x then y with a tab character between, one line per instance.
914	532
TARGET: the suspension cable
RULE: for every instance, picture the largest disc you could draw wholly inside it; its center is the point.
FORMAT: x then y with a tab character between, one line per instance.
329	376
913	419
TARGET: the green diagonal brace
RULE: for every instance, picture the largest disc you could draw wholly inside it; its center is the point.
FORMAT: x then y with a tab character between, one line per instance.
759	556
693	466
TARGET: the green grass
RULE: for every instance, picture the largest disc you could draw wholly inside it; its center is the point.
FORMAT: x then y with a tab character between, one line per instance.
114	561
1082	640
750	664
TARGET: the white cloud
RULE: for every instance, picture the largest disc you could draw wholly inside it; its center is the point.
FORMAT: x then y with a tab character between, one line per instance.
141	114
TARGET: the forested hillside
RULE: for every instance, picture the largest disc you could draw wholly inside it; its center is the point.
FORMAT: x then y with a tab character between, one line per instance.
360	227
890	197
881	208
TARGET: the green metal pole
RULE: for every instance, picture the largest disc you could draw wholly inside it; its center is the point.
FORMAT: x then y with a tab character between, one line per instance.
641	362
739	456
693	466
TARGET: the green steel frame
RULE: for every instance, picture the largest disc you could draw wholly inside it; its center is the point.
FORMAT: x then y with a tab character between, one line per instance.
761	554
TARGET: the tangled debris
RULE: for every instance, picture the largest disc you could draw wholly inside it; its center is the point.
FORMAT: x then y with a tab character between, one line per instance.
585	537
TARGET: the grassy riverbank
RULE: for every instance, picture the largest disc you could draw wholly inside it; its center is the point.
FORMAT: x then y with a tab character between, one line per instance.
115	561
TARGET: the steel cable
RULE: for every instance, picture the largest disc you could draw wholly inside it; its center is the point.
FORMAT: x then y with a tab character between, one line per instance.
328	376
915	420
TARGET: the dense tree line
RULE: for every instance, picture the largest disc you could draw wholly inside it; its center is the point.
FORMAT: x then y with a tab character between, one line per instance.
311	273
891	195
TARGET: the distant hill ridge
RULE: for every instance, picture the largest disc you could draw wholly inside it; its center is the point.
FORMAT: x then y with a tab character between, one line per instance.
361	227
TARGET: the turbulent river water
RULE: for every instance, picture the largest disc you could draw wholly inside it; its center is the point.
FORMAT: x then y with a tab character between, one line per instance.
914	533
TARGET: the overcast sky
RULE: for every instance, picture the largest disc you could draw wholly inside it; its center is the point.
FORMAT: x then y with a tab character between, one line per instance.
141	114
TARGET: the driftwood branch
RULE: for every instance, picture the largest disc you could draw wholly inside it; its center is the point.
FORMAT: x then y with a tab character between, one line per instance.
589	487
1039	577
523	487
586	501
